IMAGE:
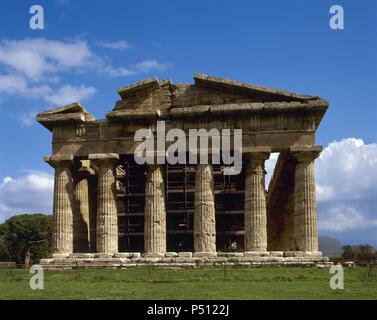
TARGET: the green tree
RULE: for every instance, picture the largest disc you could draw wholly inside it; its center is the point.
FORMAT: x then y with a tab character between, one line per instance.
363	252
26	238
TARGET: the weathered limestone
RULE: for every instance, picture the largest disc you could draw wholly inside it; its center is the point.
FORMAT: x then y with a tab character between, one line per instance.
107	220
81	214
63	204
255	202
204	214
155	213
305	210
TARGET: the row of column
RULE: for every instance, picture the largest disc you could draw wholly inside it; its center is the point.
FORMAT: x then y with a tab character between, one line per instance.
72	205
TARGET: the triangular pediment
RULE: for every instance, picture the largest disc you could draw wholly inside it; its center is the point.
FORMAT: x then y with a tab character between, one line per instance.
152	94
254	92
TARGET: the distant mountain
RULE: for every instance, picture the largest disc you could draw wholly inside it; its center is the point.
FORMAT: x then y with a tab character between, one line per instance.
329	246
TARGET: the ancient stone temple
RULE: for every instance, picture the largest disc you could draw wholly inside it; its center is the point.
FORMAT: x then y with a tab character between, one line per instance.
109	210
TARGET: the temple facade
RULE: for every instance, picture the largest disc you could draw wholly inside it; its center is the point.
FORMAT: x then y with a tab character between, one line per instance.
106	205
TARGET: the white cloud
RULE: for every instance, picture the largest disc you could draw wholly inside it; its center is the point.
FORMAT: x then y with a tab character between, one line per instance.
343	218
68	94
12	84
117	45
347	169
31	193
33	66
18	85
119	72
35	58
146	66
346	175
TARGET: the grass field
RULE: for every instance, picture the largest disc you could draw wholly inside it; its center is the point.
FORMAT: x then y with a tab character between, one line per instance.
205	283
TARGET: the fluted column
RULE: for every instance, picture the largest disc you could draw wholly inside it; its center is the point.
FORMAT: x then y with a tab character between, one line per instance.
81	214
255	202
155	212
204	213
63	204
107	219
305	208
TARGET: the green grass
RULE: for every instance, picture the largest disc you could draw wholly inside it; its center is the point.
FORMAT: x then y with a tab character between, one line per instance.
202	283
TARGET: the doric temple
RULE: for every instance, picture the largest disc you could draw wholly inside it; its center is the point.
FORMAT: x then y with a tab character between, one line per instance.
108	206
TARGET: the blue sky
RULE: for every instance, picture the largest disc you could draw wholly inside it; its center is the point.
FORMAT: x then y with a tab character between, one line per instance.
283	44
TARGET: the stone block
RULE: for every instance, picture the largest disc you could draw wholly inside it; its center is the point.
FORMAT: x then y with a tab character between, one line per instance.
185	254
204	255
184	260
256	253
230	254
171	254
123	255
60	255
153	255
276	254
313	254
294	253
103	255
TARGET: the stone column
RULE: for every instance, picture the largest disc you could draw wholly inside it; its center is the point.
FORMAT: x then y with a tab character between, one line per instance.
305	210
81	214
93	188
107	218
155	212
63	204
255	201
204	213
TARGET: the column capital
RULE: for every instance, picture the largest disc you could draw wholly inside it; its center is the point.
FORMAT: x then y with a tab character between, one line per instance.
305	153
103	159
258	154
59	160
83	168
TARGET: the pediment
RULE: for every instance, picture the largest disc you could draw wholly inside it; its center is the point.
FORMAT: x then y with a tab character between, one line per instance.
152	94
69	114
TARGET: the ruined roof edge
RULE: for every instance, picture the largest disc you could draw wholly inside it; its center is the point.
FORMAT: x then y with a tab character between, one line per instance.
71	113
198	78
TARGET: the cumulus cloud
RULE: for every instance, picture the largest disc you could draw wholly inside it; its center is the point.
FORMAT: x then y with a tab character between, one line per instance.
68	94
35	58
34	68
144	66
29	193
347	169
117	45
346	173
341	218
119	72
17	85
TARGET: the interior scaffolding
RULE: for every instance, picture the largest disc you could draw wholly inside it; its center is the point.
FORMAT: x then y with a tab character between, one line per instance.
180	190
